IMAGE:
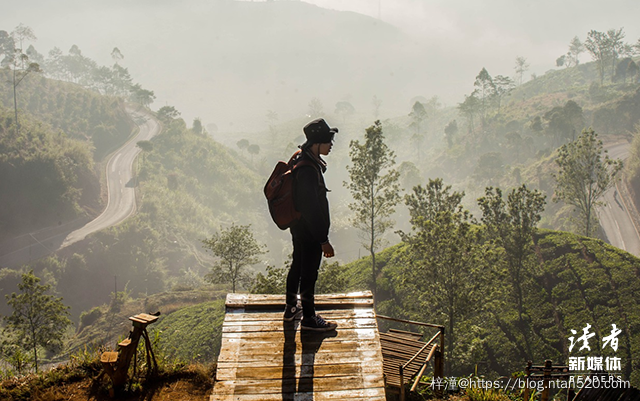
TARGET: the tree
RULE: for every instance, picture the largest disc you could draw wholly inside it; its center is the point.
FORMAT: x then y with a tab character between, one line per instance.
197	126
116	55
418	114
485	89
521	67
510	225
575	48
617	48
253	150
19	74
502	87
38	319
443	258
425	203
146	147
167	113
236	248
584	176
562	60
450	132
20	34
142	96
243	144
597	44
469	108
375	190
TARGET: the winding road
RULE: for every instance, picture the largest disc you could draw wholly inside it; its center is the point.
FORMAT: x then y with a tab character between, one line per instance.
120	205
615	217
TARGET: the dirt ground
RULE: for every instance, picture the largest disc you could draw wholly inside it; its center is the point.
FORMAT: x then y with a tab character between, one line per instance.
186	385
182	390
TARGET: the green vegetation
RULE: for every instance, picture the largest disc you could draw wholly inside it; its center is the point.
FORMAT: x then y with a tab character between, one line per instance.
193	333
374	188
38	319
45	176
236	249
584	176
569	281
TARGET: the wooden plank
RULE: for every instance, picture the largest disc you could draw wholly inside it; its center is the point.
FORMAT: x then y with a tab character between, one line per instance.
375	393
263	358
299	370
330	314
109	357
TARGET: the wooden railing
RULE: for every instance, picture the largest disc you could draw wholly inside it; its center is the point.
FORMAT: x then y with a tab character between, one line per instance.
403	350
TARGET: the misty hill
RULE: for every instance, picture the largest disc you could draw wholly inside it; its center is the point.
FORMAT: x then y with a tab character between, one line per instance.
190	186
47	172
231	61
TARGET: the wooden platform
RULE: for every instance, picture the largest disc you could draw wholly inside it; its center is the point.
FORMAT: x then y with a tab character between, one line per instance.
264	358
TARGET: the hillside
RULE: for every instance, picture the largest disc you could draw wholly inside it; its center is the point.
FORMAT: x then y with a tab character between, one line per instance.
572	281
190	187
48	173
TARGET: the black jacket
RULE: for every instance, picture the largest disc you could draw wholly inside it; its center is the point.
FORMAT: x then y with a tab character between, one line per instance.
310	199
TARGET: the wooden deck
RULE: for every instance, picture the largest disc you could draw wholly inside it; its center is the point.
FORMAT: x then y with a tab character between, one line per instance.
264	358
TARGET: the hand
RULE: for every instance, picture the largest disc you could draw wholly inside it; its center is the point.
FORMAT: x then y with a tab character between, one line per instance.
327	250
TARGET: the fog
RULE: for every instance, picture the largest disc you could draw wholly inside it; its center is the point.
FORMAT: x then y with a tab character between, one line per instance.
230	62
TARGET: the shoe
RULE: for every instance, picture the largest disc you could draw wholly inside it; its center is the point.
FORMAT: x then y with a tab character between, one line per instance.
317	323
291	312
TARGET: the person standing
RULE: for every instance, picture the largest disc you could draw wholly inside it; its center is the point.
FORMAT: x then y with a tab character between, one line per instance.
310	234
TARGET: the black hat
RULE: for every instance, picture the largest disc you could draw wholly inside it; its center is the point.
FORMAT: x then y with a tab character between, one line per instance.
318	131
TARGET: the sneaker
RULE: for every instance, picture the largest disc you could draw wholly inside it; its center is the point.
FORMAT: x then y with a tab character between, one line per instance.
317	323
291	312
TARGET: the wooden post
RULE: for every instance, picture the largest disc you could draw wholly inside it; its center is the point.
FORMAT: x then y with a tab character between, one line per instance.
401	384
545	380
526	384
438	362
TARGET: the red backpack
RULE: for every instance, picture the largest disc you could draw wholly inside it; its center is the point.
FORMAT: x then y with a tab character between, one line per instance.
279	193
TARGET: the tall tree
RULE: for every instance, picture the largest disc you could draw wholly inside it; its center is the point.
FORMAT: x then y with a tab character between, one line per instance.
450	132
584	176
116	55
617	45
503	86
469	108
485	88
598	45
38	319
236	248
575	49
443	259
375	190
18	73
510	225
521	67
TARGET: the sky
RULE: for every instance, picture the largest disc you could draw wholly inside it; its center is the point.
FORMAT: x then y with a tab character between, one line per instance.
458	37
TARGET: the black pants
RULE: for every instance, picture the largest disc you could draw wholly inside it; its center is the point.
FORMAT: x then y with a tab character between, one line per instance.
307	255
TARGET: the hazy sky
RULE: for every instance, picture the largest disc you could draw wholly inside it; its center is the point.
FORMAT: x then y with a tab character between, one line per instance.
495	32
458	37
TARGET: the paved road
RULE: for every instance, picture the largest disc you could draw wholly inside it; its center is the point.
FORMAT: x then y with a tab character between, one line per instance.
121	204
614	217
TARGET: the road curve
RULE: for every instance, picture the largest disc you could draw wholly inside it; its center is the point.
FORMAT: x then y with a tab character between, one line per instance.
120	205
615	218
120	181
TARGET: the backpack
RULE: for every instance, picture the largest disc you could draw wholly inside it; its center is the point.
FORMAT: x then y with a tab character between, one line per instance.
279	193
